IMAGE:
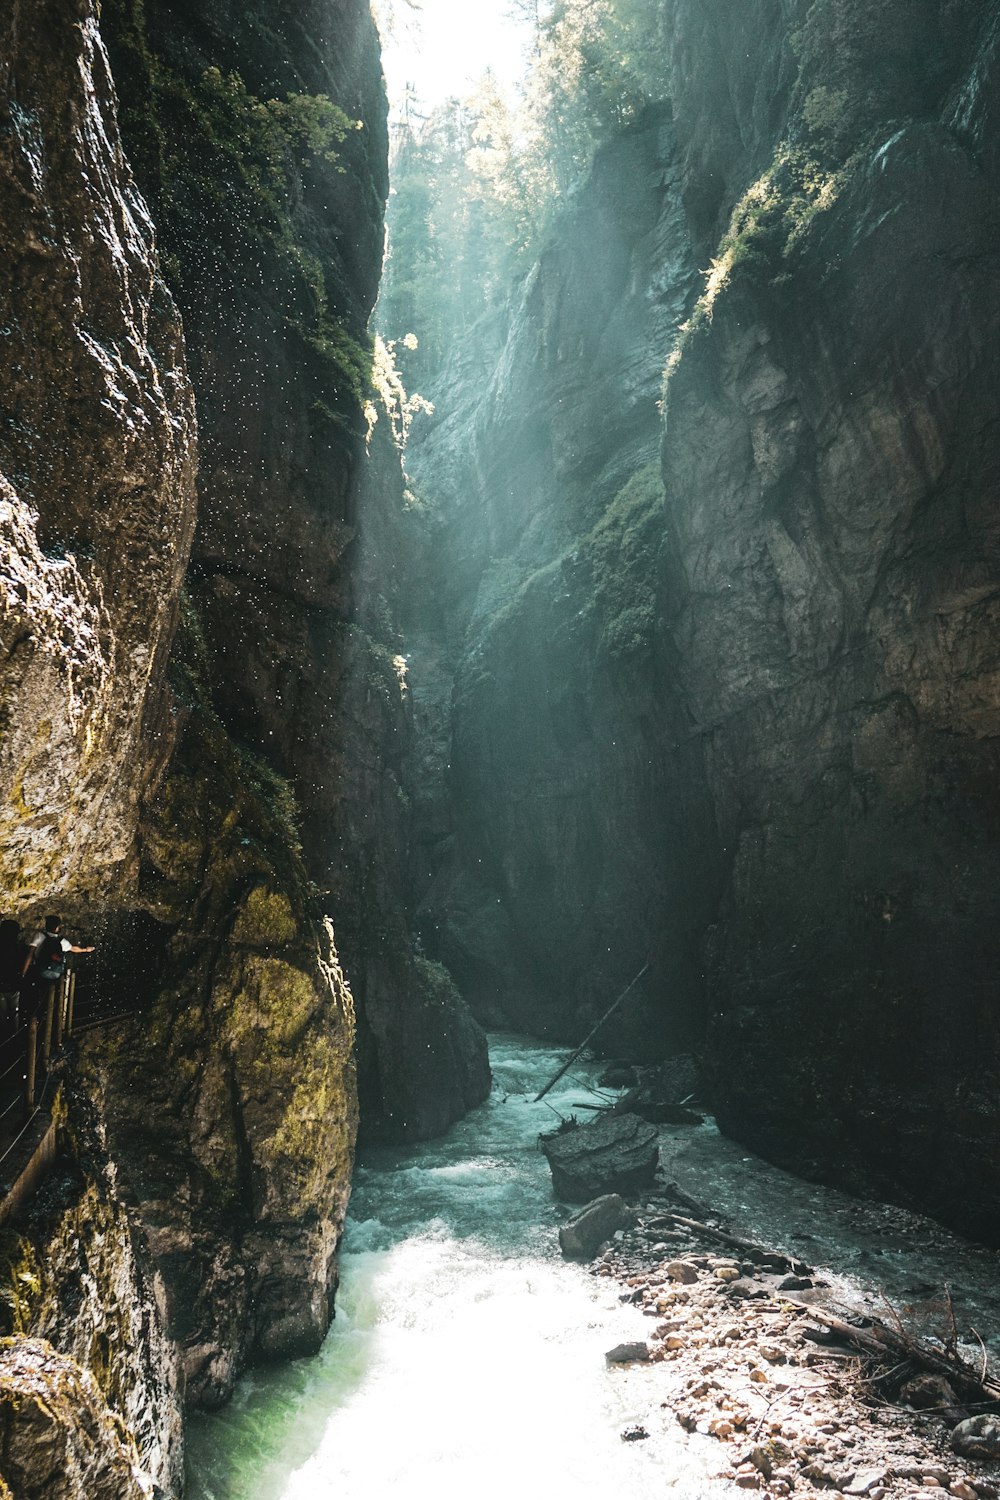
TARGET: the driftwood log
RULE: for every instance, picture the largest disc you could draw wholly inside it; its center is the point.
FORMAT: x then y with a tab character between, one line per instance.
878	1339
881	1340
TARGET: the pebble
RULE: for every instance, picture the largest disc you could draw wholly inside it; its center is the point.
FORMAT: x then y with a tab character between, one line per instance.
820	1415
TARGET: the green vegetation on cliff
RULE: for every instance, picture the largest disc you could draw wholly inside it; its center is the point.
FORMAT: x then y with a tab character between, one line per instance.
623	556
226	172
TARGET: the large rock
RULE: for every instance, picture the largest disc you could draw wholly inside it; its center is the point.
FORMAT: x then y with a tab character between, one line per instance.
616	1154
59	1440
580	1236
74	1273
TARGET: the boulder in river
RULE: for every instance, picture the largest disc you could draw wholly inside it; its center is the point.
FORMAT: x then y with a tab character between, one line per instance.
617	1153
627	1354
581	1235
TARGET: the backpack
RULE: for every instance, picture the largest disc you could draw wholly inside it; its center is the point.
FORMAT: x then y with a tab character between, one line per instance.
49	960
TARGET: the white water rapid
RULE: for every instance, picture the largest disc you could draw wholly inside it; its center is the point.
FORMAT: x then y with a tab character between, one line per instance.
467	1359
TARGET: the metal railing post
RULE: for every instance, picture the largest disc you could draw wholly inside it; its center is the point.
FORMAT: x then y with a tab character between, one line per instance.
29	1094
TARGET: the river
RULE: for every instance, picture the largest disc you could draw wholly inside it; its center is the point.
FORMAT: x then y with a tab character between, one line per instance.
466	1357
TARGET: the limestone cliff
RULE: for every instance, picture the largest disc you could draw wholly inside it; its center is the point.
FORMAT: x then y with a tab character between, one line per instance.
301	492
97	505
222	1121
834	555
97	453
732	704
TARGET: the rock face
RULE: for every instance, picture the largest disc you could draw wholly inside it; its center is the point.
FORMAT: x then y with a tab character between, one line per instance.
75	1275
614	1155
59	1439
422	1058
733	706
230	1104
301	494
833	568
96	469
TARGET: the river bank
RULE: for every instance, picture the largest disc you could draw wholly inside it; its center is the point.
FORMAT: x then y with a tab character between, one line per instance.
467	1356
736	1352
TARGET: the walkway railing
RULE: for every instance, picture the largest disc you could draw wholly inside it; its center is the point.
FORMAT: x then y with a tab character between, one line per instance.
28	1080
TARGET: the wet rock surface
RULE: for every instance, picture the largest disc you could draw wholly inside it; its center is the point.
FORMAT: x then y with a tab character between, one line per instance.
75	1273
301	538
617	1153
97	464
580	1236
58	1438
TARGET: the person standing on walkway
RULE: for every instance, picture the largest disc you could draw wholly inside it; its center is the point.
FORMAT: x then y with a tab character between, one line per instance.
47	952
11	969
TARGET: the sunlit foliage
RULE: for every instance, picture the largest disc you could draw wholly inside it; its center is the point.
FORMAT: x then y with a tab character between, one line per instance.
478	181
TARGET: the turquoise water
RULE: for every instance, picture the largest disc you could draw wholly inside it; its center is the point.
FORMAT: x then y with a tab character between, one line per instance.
466	1356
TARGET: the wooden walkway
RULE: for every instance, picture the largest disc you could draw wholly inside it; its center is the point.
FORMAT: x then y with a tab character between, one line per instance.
28	1077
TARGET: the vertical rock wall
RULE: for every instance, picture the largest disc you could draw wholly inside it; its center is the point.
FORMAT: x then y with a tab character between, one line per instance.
96	469
836	556
301	492
97	506
738	712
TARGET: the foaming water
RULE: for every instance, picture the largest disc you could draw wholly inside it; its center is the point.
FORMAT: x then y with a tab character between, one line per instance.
466	1356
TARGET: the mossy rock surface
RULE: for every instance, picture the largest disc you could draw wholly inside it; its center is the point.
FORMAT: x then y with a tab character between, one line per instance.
57	1436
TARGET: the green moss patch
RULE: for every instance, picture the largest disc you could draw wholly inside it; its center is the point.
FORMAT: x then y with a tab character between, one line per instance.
622	550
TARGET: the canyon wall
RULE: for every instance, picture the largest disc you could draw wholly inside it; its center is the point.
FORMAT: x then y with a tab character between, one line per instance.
97	460
716	684
301	498
97	513
203	726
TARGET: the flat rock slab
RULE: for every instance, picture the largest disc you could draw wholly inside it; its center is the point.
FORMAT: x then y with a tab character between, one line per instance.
618	1153
581	1235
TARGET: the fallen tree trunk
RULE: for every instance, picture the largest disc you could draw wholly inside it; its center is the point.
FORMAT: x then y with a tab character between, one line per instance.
591	1034
756	1253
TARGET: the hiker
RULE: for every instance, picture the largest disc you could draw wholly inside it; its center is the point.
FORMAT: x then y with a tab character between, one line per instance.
11	959
47	954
